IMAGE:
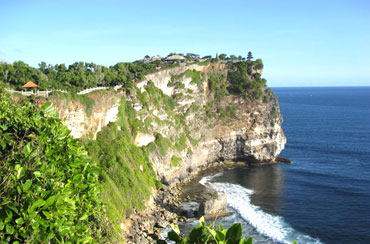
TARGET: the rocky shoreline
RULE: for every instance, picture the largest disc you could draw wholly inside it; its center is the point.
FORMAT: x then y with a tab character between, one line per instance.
173	203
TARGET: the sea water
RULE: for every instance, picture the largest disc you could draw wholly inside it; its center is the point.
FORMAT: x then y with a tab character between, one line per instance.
324	196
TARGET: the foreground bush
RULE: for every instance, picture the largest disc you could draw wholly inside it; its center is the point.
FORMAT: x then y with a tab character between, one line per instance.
203	234
48	187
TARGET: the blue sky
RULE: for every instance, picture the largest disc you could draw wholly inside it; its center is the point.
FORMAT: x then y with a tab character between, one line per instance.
302	43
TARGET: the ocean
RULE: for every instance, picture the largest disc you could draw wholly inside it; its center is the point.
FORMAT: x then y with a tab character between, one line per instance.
324	196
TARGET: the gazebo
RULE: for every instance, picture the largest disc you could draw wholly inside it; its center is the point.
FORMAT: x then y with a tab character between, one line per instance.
29	84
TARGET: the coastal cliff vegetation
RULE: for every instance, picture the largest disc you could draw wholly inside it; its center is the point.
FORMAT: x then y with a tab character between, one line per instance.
56	189
82	75
50	191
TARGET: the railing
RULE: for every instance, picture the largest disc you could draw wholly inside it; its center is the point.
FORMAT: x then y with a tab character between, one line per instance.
35	93
30	93
46	93
88	90
58	90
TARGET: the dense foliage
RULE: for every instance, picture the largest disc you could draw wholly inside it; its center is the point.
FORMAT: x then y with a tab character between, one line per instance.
77	76
49	190
204	234
243	76
81	75
207	234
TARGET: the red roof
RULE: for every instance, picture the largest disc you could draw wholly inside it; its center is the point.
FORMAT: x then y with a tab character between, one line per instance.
30	84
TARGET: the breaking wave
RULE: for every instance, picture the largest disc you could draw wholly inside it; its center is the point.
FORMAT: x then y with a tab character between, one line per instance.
266	224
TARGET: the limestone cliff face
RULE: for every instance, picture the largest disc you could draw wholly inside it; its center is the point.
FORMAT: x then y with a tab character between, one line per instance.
253	133
74	114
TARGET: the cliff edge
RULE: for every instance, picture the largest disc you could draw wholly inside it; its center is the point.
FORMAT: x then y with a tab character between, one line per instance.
188	114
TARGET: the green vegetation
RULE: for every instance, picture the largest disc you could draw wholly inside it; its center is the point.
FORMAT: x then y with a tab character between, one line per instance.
243	78
195	75
228	112
159	99
208	61
162	143
175	161
75	77
126	173
180	144
207	234
218	85
222	56
142	97
82	75
49	189
84	99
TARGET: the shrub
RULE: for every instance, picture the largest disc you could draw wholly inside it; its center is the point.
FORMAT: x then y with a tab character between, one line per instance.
217	84
229	112
266	98
159	99
180	144
175	161
162	143
195	75
84	99
208	235
49	188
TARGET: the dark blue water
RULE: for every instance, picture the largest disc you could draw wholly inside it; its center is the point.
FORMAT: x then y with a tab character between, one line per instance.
327	190
324	196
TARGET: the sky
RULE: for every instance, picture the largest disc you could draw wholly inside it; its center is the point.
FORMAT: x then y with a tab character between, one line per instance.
301	42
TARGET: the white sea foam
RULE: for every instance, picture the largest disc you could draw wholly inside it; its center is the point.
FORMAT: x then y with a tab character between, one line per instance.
268	225
206	179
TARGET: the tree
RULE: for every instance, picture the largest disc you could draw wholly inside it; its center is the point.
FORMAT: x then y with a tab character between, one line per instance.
258	64
249	57
42	66
191	56
233	57
222	56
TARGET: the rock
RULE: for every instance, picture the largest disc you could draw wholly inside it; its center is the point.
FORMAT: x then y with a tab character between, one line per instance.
283	160
189	209
215	203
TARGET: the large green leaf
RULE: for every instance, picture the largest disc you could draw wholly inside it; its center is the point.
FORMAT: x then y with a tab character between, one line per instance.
196	235
20	172
36	204
27	149
27	185
234	233
49	201
245	241
173	236
48	110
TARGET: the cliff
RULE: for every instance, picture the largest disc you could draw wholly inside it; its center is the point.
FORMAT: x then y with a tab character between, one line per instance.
187	124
